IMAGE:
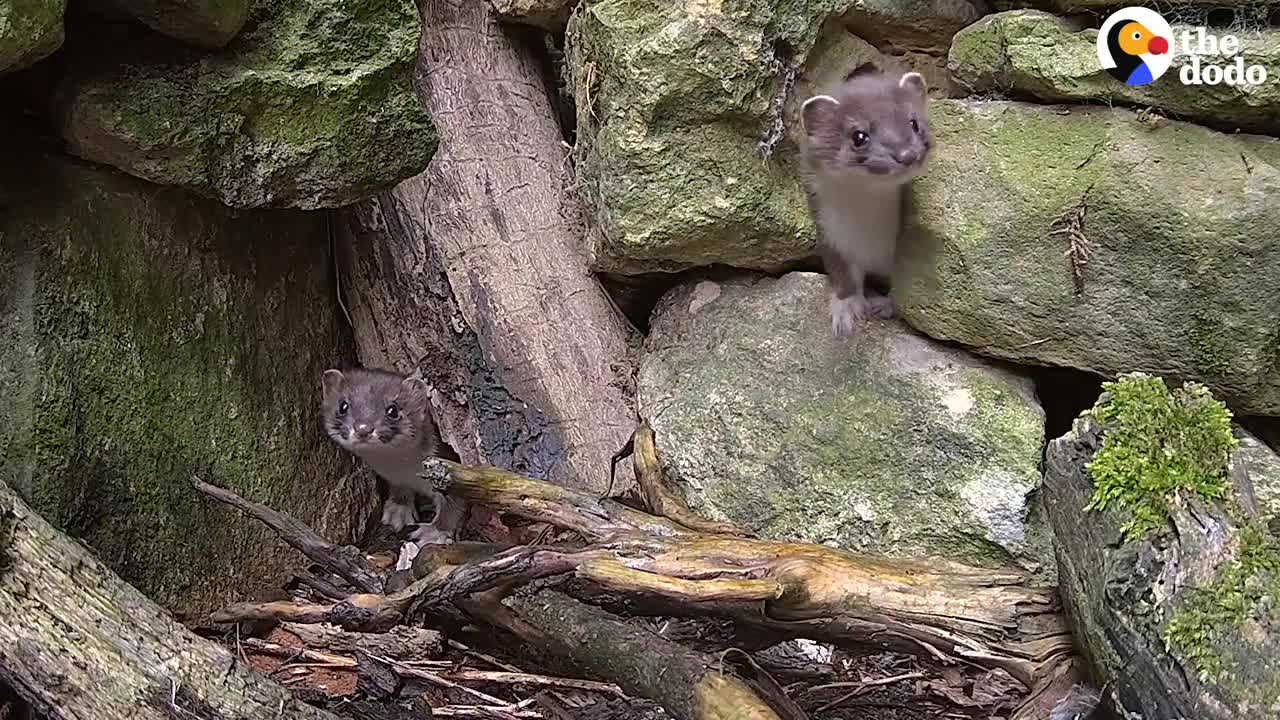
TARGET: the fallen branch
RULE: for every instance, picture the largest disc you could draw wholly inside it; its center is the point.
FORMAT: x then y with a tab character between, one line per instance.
539	501
399	643
947	614
363	612
519	678
345	561
659	497
688	684
76	641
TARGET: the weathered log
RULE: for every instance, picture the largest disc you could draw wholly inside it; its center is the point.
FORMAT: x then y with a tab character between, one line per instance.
688	684
77	642
1179	621
476	273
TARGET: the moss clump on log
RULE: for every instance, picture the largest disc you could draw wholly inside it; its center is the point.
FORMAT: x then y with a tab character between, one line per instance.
1158	443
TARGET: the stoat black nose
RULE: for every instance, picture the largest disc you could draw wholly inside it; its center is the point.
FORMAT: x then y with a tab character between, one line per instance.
906	157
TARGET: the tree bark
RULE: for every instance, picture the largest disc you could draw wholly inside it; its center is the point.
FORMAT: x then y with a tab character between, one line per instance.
476	271
79	643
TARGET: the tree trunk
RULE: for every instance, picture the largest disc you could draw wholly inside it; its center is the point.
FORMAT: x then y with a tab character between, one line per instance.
77	642
475	272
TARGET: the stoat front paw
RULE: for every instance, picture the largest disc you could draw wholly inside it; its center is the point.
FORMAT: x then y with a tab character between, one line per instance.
882	306
431	535
398	515
847	314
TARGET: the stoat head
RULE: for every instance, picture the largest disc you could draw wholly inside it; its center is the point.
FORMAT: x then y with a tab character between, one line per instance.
873	126
368	411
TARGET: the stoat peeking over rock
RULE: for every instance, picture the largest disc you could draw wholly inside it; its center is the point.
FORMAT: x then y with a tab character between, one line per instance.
864	142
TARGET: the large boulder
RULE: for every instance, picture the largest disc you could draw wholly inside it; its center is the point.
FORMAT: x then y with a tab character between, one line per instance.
888	443
314	107
677	102
30	30
1169	576
1177	224
146	337
204	23
1030	53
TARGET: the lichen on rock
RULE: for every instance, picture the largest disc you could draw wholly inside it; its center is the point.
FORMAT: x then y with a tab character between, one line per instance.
1262	463
30	30
1182	276
151	336
1035	54
313	107
887	443
674	101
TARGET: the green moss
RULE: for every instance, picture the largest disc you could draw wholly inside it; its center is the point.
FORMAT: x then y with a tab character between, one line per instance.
169	337
1247	588
1035	54
312	107
1158	443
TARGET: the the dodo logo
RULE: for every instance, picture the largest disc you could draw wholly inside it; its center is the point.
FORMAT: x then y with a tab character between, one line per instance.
1134	45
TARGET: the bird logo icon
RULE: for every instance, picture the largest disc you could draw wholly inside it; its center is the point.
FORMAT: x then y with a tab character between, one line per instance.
1135	45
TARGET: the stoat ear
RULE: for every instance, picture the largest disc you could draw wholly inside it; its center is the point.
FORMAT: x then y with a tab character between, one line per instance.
914	81
817	110
413	387
331	382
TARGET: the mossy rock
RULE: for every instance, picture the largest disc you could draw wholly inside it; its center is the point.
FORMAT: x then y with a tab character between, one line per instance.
1179	616
677	103
888	443
1034	54
30	30
1179	224
1262	463
204	23
313	107
149	337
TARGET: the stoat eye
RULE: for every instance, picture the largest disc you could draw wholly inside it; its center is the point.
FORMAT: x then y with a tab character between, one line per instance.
343	407
393	411
859	138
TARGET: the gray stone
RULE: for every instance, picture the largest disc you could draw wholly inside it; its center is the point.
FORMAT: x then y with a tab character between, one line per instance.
888	443
1263	466
550	15
677	102
1034	54
1183	273
314	107
30	30
203	23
